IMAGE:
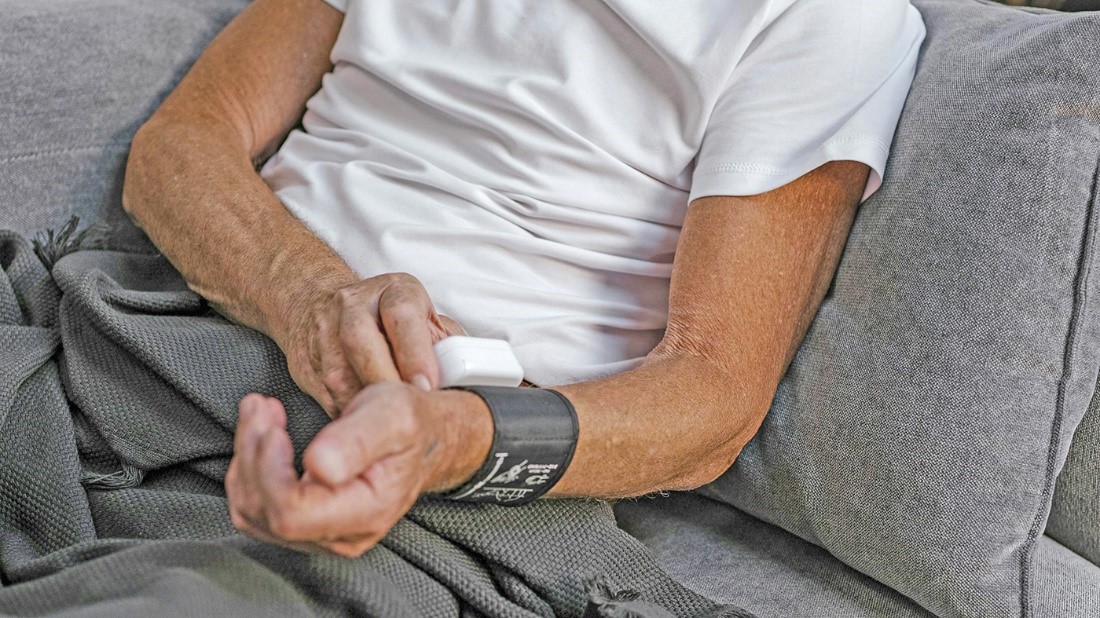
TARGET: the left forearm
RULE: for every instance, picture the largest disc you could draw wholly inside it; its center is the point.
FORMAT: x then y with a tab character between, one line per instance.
674	423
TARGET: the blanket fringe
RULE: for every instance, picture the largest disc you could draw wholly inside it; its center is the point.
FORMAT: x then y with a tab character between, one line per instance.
128	476
52	245
603	602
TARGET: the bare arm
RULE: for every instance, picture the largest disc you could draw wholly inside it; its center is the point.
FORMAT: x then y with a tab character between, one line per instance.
749	275
192	184
191	181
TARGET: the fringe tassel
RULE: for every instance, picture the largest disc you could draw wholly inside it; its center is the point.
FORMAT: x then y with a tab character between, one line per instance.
50	246
128	476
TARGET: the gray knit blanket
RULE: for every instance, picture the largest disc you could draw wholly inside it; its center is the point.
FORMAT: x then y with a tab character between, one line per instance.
118	398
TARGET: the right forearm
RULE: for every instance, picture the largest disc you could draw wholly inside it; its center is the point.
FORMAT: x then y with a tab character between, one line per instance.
195	192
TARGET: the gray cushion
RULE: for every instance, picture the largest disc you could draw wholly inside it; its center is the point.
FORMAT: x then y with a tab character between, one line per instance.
918	433
1075	511
725	554
1062	582
1062	5
79	77
729	556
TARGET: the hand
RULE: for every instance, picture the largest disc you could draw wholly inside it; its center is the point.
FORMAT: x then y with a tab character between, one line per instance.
363	471
369	331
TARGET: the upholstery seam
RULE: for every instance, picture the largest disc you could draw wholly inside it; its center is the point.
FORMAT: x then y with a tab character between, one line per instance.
1081	298
27	156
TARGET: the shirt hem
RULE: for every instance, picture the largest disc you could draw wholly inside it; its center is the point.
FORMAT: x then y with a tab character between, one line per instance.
744	178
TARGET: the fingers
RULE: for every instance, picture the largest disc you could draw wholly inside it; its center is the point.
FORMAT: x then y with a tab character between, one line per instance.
376	330
258	416
362	342
268	501
365	507
379	424
329	362
407	318
450	327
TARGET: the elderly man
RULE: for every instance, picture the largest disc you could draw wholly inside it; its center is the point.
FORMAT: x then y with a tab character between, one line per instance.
646	199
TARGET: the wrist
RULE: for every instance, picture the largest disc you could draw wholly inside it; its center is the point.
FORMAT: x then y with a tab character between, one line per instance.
534	438
464	433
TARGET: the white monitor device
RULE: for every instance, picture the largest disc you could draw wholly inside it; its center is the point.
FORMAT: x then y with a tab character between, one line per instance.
473	361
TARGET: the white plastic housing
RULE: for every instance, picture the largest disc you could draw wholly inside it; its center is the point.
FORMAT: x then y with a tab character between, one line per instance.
473	361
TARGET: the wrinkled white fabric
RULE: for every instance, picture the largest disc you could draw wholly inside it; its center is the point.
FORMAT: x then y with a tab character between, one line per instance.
532	162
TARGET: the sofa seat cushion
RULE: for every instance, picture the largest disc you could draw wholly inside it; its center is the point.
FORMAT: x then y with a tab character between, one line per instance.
730	556
1075	511
723	553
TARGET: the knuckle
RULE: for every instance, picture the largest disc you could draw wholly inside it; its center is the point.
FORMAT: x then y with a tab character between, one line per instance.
334	380
405	288
403	278
345	297
386	280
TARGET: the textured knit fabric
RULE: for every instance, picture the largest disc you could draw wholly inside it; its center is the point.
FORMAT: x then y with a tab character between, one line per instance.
1075	511
118	391
772	573
918	434
1063	5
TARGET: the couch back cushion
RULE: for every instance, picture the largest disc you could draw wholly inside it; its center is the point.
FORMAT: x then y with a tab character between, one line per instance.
79	77
918	434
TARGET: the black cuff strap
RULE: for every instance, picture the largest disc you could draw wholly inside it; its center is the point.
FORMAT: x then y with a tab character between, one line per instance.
534	435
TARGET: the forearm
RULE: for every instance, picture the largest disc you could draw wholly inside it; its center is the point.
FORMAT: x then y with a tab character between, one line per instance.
671	424
191	181
193	189
681	418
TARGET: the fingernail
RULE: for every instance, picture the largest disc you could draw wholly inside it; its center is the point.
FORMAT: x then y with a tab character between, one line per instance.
421	381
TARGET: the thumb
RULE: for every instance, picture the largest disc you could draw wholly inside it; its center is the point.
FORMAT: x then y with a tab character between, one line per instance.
371	430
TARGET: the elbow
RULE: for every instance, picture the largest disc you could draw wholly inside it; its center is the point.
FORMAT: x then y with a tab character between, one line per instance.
148	168
135	185
731	398
161	151
731	407
709	469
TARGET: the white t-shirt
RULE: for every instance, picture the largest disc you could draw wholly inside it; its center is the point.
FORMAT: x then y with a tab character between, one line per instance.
531	161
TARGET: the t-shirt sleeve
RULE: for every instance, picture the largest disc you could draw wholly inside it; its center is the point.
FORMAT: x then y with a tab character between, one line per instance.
339	5
824	81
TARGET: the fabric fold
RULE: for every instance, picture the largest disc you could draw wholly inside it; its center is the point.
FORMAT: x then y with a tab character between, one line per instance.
120	390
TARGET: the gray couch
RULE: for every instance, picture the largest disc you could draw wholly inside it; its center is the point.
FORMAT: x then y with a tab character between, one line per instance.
932	451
